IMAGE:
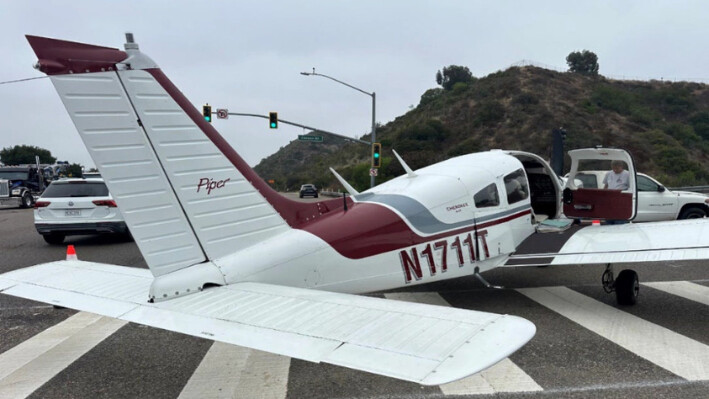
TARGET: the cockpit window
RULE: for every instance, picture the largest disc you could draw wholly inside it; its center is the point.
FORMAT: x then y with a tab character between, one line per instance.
516	186
487	197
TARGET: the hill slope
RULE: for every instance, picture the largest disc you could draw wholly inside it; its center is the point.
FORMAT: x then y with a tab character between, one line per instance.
665	126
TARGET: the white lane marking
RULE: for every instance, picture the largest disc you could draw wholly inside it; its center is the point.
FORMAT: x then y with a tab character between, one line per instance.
685	289
30	349
56	356
265	376
230	371
676	353
217	376
505	376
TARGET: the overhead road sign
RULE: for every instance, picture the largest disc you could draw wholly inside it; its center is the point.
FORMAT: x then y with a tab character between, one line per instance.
315	139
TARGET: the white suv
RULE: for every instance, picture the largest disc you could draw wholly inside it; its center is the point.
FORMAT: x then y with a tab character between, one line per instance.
77	206
655	201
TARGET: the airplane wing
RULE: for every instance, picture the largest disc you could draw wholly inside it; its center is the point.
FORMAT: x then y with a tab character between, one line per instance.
426	344
626	243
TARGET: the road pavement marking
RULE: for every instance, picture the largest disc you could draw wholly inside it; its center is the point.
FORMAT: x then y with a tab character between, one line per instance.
230	371
30	349
685	289
676	353
29	365
505	376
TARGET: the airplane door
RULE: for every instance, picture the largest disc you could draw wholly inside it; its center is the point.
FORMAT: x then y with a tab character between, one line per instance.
618	201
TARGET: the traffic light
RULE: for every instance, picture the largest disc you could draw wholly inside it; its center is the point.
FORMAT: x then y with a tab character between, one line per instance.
376	155
207	112
273	120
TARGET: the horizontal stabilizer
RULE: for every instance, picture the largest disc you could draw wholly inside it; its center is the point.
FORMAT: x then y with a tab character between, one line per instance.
426	344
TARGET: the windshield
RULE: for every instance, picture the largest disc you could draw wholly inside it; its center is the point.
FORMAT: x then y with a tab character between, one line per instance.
7	175
76	189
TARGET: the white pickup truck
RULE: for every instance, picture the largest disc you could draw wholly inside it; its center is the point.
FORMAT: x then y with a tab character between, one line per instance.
655	201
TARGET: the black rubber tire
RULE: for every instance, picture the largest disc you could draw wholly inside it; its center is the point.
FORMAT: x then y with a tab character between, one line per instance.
27	200
316	195
301	195
54	239
693	212
627	287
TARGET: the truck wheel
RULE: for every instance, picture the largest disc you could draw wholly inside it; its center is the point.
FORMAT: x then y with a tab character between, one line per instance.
692	212
26	200
54	239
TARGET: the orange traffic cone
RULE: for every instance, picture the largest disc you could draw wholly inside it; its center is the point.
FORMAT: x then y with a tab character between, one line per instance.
71	253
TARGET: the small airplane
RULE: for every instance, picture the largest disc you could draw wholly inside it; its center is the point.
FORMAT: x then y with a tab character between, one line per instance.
232	260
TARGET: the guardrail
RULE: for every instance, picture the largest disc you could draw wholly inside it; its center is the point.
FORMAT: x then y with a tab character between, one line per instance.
331	193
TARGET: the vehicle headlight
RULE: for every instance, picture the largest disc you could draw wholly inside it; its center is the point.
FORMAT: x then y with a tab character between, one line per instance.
16	192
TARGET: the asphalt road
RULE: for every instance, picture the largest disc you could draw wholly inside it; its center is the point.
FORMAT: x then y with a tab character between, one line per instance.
591	349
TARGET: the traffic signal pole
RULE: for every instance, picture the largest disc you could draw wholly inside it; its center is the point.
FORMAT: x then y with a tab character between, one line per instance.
302	126
374	134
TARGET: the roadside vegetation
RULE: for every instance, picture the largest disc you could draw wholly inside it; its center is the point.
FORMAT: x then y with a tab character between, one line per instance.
665	125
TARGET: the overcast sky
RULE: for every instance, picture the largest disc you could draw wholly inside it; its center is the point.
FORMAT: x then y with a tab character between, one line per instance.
246	56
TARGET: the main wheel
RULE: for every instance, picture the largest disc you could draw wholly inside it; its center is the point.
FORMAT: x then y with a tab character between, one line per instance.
692	212
627	287
26	200
54	239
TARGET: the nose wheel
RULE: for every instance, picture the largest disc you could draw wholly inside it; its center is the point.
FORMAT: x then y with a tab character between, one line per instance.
626	286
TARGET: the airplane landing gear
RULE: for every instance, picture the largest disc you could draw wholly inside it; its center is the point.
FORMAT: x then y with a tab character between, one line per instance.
626	286
485	283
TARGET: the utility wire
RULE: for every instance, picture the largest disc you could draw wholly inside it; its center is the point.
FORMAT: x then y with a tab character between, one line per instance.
22	80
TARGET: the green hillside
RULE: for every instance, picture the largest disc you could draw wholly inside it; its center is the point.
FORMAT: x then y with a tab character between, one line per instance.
665	125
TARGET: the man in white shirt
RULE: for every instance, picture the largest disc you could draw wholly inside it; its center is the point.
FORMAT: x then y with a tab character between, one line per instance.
618	178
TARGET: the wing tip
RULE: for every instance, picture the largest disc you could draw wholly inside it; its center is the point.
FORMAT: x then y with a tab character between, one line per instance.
493	343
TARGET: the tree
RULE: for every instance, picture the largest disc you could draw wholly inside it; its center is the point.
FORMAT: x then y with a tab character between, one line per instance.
74	170
453	74
24	154
584	62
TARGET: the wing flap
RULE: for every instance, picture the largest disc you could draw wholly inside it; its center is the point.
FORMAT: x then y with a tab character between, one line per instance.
635	242
411	341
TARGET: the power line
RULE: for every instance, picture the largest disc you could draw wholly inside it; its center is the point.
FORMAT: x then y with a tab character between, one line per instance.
22	80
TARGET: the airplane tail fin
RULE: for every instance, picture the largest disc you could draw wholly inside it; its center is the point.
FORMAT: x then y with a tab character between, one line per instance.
185	194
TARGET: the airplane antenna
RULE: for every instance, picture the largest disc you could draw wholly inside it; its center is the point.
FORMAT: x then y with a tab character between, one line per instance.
344	200
344	183
404	165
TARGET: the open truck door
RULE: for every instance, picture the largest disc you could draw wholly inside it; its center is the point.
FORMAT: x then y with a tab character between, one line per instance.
599	203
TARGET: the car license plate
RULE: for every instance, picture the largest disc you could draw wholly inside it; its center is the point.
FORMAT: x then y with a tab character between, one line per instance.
72	212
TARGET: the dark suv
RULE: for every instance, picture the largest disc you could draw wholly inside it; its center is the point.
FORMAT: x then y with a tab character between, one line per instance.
308	189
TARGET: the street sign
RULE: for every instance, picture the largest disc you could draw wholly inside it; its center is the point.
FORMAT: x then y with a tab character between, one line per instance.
315	139
373	172
222	113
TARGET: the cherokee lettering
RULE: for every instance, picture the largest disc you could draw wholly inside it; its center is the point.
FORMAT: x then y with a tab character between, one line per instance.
211	184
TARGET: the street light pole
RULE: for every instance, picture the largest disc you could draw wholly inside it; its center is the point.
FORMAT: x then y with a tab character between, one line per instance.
374	107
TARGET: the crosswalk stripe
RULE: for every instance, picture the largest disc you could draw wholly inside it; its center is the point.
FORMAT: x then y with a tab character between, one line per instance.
23	353
230	371
52	351
685	289
265	376
505	376
676	353
217	376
